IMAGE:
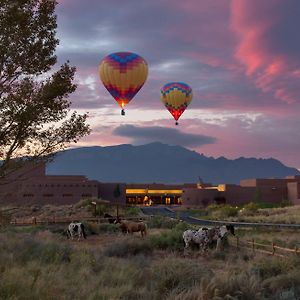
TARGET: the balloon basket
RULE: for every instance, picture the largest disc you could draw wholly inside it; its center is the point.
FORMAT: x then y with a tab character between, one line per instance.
176	123
123	112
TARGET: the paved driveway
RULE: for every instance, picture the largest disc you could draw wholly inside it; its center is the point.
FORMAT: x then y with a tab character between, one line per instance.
185	216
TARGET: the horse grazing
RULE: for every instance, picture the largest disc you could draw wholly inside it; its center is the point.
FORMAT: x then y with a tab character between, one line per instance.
111	219
130	227
76	229
204	236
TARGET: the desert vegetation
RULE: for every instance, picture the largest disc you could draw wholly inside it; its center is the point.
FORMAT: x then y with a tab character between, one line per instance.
251	212
40	263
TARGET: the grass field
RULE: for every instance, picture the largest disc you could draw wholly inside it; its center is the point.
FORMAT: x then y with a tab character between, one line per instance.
40	263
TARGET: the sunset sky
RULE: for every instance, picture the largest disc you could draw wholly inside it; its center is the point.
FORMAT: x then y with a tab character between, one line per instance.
241	58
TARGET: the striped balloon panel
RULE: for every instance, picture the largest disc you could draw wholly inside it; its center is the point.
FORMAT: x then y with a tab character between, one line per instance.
176	96
123	74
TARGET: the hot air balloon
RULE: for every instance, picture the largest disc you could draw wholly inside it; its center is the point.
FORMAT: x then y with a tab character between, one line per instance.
123	74
176	97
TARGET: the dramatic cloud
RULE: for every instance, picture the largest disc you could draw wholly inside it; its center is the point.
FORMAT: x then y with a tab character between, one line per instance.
171	136
241	57
269	44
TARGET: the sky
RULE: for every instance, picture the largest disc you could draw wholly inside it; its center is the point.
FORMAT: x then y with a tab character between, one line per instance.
241	58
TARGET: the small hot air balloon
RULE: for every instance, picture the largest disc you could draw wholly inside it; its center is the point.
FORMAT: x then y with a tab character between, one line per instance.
123	74
176	97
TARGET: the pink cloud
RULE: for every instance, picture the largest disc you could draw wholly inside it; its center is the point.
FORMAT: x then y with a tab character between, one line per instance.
267	45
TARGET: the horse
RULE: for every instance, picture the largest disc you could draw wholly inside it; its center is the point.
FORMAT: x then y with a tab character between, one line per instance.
130	227
111	219
76	229
204	236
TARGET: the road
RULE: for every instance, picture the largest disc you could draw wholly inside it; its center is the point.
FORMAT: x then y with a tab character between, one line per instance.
185	216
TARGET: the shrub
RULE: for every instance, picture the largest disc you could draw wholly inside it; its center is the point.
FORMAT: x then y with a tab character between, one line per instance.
225	211
284	282
270	266
172	276
94	228
4	219
128	247
132	211
233	286
171	240
162	222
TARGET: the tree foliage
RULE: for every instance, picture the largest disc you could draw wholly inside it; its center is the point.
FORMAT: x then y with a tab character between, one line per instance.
35	116
117	191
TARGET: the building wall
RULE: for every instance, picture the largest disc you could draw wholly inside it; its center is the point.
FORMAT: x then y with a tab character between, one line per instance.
49	190
106	192
236	195
198	197
294	192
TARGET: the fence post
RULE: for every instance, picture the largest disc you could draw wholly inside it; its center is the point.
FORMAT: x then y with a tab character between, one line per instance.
253	249
296	250
273	248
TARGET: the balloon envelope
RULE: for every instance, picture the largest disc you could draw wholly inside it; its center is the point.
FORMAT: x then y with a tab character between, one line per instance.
176	96
123	74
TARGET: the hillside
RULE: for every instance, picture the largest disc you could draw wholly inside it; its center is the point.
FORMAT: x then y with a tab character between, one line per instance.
161	163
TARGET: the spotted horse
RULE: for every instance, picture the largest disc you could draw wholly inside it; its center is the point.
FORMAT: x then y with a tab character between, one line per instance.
76	229
204	236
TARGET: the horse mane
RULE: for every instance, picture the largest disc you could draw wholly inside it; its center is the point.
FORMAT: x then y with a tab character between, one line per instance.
230	228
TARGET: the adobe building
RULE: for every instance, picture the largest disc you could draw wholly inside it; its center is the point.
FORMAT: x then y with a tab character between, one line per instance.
265	190
31	185
155	194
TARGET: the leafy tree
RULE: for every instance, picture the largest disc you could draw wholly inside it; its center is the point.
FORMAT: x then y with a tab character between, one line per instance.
257	196
35	117
117	191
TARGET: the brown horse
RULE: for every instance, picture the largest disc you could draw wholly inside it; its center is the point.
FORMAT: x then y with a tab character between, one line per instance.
130	227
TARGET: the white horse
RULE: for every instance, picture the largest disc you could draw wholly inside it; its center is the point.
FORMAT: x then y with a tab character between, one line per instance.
76	229
204	236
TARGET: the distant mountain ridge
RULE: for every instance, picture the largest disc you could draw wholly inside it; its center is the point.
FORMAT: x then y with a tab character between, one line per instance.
161	163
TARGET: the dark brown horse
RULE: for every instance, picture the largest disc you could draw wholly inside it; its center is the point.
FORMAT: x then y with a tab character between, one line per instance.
131	227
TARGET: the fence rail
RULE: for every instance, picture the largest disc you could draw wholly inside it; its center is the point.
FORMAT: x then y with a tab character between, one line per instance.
60	220
270	249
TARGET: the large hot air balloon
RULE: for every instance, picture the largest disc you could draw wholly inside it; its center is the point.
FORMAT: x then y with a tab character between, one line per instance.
176	96
123	74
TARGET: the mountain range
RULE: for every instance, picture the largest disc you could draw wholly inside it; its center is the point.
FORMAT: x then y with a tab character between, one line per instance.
161	163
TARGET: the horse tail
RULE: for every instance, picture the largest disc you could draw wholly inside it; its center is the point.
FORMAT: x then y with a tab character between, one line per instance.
83	231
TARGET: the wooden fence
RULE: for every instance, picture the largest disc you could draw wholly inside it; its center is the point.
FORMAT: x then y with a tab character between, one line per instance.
269	249
62	220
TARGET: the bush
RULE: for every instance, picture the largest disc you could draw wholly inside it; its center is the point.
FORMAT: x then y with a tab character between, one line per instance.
30	249
270	267
4	219
233	286
171	240
284	282
132	211
225	211
128	247
172	276
162	222
95	228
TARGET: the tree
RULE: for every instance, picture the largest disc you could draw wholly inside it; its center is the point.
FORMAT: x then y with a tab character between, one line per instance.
35	116
257	196
117	191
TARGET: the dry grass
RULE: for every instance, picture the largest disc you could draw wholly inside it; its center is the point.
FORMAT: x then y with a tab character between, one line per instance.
44	265
285	215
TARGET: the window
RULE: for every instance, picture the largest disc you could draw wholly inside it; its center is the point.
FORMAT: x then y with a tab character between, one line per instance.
86	195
